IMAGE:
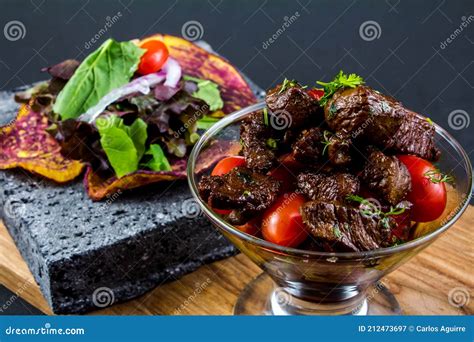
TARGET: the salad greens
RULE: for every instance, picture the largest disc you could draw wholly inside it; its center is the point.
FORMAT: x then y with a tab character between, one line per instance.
207	91
124	145
158	161
109	67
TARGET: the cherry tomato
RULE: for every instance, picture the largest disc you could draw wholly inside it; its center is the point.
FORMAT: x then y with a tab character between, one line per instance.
290	162
252	227
154	58
403	225
285	176
227	164
316	93
427	195
282	223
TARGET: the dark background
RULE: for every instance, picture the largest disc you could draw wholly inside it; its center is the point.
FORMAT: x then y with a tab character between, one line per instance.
406	59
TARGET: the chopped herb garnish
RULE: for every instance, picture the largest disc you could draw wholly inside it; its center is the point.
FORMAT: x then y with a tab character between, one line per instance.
265	116
272	143
340	81
436	176
336	231
288	84
246	193
430	121
370	209
326	140
332	110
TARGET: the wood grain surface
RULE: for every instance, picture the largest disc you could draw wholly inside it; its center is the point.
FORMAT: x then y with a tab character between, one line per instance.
422	285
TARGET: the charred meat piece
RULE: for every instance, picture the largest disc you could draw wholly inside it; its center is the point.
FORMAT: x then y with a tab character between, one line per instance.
415	136
328	188
241	189
344	228
255	136
339	150
308	148
291	99
386	176
365	114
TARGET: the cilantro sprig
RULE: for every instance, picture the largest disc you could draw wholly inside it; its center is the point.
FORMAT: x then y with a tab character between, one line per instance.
341	80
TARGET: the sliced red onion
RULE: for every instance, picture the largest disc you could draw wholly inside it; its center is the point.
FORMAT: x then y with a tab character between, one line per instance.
171	73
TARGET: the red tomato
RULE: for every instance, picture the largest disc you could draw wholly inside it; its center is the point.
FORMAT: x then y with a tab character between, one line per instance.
285	176
428	196
252	227
282	223
222	211
402	229
227	164
154	58
316	93
290	162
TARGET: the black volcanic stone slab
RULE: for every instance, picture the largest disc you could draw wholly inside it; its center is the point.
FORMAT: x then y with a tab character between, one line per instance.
83	254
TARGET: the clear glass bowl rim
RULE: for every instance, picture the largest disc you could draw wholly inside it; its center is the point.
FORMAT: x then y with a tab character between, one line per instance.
217	219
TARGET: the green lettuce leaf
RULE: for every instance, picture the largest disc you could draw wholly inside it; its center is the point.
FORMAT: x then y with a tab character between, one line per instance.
120	150
207	91
124	145
109	67
158	161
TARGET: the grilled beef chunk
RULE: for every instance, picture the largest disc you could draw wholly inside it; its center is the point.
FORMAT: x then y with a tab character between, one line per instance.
366	114
386	176
328	188
255	135
415	136
339	150
293	100
344	228
308	147
241	189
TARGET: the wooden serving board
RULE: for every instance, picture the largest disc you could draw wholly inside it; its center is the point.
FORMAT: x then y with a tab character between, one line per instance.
422	285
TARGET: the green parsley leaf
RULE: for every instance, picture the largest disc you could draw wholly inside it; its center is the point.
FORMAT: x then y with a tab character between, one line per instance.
340	81
265	116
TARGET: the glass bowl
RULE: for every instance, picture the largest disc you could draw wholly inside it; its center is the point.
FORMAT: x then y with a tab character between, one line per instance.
306	282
